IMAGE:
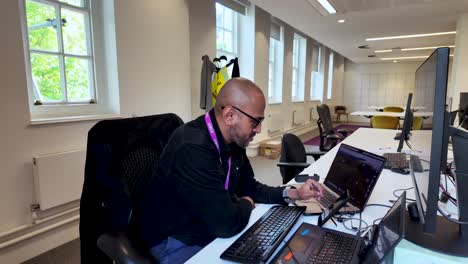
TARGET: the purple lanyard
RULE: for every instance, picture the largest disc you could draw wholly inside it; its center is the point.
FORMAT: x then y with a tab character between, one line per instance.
209	124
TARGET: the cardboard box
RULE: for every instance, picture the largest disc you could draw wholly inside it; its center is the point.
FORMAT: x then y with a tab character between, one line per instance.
270	149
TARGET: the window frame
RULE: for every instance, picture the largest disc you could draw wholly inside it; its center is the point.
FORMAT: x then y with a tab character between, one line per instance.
298	70
331	71
106	102
235	33
316	78
275	69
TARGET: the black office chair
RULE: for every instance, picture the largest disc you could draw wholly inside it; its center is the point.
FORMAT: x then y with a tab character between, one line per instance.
328	137
293	158
121	156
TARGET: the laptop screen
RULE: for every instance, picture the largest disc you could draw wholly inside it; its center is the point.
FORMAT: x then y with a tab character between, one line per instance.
356	170
389	232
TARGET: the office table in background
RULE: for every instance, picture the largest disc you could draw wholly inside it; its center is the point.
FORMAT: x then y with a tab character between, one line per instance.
401	115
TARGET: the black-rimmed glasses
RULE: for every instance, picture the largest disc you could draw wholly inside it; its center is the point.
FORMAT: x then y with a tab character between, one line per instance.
257	121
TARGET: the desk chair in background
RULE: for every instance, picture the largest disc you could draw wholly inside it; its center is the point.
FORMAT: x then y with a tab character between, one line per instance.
385	122
121	156
339	111
417	123
328	137
293	158
395	109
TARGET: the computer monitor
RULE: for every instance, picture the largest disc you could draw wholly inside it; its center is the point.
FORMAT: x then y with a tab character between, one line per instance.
407	124
463	111
433	231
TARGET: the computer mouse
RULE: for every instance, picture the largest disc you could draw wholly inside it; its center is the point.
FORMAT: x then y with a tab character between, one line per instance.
400	170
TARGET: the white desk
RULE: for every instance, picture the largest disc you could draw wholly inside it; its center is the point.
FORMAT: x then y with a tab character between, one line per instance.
380	108
370	114
377	141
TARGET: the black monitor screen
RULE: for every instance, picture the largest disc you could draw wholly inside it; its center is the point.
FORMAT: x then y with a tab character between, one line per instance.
356	170
430	92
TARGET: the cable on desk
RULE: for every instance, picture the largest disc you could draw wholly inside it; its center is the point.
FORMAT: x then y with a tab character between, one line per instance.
375	204
403	189
450	219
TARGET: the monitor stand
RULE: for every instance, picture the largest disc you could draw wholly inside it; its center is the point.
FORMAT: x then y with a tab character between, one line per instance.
447	238
398	136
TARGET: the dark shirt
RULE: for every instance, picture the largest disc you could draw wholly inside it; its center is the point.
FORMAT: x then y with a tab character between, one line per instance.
187	198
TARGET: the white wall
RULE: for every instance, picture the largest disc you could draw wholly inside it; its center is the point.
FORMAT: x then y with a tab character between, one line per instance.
154	65
459	74
377	84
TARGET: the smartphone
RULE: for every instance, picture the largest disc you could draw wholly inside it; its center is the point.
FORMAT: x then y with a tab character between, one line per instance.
304	177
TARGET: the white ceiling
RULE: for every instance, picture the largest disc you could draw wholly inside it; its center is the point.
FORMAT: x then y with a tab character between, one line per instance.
370	19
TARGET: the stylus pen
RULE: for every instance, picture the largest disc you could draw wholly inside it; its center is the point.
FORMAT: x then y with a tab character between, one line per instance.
333	221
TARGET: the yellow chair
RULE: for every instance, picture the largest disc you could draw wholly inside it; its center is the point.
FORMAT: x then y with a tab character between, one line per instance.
386	122
395	109
417	123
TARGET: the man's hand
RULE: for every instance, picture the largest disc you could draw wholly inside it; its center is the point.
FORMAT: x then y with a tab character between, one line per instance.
248	199
309	190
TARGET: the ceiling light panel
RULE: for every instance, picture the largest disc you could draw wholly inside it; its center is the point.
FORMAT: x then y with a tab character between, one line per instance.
405	58
413	36
325	4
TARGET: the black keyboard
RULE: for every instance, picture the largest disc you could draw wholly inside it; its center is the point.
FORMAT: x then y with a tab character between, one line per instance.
335	248
398	160
258	243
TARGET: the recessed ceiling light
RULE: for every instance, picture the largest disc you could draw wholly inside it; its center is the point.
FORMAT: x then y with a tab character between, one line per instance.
325	4
383	51
341	21
405	58
413	36
395	61
426	48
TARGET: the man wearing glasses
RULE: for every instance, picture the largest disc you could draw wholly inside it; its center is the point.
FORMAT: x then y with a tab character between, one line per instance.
204	185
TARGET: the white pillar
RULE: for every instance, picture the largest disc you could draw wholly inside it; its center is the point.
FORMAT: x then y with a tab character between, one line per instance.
459	78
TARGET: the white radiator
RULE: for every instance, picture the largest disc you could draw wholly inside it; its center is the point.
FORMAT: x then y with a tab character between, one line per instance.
298	117
275	122
58	178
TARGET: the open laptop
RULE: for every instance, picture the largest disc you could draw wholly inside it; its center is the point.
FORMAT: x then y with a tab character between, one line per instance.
354	169
313	244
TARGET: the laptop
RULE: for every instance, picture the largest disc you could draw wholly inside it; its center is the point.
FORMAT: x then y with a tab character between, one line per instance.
352	169
313	244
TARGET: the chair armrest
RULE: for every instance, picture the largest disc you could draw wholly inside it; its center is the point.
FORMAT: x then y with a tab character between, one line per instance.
335	137
316	154
293	165
119	249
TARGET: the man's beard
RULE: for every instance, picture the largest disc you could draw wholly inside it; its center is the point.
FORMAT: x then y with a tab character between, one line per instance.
241	142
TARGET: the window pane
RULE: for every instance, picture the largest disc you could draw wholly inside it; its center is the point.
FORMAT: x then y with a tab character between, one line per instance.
46	75
79	3
228	41
228	17
42	27
78	83
219	15
74	32
219	38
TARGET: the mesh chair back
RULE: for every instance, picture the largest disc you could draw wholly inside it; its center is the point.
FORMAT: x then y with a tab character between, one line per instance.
292	150
121	156
325	118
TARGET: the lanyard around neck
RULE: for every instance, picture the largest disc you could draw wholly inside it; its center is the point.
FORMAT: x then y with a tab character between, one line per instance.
212	132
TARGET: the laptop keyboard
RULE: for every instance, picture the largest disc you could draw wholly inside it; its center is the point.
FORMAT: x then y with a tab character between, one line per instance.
262	238
327	199
398	160
335	248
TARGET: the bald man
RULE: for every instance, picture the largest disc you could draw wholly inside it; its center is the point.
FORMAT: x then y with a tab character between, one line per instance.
204	186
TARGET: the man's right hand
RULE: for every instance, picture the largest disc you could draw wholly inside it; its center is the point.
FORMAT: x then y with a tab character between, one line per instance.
248	199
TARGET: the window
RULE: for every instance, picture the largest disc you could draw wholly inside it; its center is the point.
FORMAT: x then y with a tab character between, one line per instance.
316	77
298	68
275	69
61	59
330	75
226	32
